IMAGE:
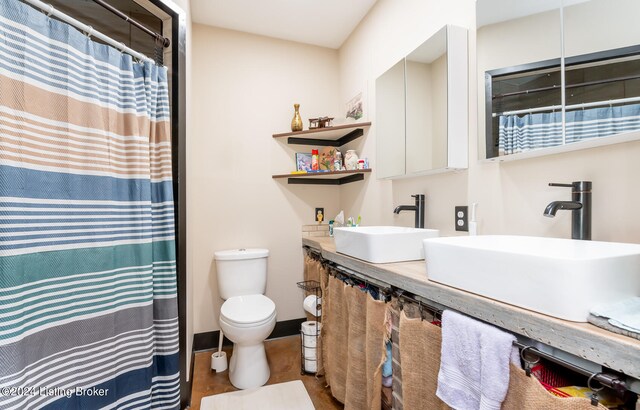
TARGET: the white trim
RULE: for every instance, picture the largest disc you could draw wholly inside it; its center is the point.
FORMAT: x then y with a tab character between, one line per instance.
457	98
572	146
54	201
159	231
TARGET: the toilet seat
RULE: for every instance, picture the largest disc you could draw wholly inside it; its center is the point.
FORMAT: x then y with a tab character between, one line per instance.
248	310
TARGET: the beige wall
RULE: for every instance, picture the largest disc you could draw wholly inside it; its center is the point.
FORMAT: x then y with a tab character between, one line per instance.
245	89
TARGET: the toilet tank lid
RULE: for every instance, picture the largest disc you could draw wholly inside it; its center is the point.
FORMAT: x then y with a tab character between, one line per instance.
242	253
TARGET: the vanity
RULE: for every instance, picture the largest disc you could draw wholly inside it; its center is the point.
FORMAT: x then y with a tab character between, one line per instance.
531	65
589	346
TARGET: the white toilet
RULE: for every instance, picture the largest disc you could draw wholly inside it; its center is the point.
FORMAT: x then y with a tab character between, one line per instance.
247	317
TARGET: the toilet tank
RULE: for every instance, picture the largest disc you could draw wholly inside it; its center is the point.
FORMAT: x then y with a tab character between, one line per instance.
241	272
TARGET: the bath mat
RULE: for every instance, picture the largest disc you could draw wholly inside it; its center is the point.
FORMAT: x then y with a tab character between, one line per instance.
603	322
290	396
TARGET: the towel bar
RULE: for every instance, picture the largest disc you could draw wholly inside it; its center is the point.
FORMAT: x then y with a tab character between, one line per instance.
382	287
609	380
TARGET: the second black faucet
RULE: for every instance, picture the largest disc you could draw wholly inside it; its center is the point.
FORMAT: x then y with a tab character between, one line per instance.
580	206
418	208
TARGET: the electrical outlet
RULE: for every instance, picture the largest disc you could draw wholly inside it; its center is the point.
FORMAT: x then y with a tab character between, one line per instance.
462	218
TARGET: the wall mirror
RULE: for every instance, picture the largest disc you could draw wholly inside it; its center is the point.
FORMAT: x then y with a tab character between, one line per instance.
537	97
390	122
421	114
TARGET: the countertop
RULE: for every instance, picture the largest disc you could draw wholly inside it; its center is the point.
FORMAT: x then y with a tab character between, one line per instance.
618	352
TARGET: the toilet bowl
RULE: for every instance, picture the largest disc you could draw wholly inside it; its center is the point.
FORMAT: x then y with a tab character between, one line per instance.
247	321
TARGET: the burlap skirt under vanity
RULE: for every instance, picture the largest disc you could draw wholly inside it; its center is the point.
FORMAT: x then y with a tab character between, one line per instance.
420	359
353	345
353	348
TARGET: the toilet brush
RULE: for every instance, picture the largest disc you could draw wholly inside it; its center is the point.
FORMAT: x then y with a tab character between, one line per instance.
219	358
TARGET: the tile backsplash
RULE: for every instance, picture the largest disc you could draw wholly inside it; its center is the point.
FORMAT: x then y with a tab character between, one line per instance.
315	230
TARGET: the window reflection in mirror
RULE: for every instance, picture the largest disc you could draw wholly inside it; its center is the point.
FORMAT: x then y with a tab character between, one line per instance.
522	103
426	128
513	37
601	39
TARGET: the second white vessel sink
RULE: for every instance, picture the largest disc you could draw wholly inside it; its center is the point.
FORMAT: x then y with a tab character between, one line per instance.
563	278
382	244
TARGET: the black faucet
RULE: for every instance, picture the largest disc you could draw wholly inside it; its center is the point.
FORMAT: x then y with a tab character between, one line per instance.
580	207
418	208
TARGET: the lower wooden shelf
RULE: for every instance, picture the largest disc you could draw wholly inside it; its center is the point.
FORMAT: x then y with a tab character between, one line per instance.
325	178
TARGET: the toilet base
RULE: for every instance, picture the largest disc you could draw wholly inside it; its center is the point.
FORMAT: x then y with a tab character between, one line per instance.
248	367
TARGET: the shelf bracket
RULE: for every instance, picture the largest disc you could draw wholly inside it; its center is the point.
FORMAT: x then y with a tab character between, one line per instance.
358	132
324	181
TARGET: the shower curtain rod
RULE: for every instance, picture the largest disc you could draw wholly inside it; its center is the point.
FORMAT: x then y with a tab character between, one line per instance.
159	37
569	107
552	87
49	10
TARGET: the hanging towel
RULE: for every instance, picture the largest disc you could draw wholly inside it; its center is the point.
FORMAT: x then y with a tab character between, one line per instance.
624	314
603	322
474	365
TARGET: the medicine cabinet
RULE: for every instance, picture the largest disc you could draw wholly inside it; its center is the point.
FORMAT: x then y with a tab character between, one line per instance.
421	109
557	76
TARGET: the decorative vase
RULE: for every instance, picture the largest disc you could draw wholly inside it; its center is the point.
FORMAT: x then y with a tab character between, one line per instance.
351	160
296	122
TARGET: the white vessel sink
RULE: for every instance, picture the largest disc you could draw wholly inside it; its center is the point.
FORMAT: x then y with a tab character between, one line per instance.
382	244
563	278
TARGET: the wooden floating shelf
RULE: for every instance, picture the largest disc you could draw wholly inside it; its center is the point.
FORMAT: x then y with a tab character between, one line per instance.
328	137
325	178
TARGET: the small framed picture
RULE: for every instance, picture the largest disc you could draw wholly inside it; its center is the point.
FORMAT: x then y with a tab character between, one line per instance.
303	161
354	107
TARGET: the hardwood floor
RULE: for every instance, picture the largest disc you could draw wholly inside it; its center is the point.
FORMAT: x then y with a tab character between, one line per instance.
284	360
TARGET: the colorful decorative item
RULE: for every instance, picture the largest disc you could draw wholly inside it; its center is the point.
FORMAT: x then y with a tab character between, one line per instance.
351	160
296	122
327	158
303	161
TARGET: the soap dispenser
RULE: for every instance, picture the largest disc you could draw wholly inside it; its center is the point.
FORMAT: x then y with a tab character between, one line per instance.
473	226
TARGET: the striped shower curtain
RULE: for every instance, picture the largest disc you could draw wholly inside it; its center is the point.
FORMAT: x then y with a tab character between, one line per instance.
88	305
542	130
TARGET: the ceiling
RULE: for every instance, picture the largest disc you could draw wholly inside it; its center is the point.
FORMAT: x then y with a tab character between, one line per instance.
327	23
496	11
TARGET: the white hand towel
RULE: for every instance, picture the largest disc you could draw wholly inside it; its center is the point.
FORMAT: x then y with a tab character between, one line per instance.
474	365
624	314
